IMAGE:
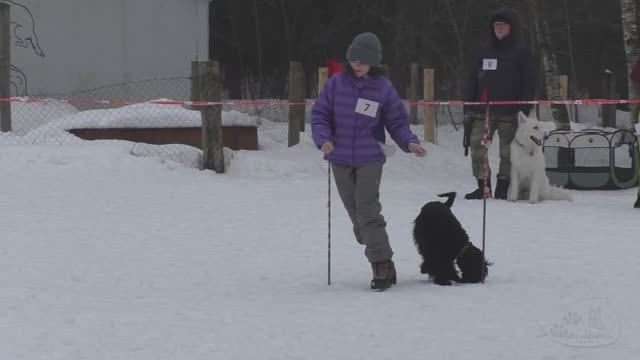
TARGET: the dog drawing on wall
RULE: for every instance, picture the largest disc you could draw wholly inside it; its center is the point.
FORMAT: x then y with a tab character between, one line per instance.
447	254
18	81
23	27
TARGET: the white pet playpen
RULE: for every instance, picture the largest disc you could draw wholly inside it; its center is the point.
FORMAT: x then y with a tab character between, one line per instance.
592	159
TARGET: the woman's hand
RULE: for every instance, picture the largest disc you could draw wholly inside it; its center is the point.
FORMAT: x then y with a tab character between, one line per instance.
327	147
417	149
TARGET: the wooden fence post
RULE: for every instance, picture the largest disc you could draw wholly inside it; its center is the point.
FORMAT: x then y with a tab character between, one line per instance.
429	111
5	63
608	92
206	87
564	154
564	87
564	95
296	102
323	76
413	92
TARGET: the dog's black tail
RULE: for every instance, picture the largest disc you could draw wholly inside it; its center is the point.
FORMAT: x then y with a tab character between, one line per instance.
451	197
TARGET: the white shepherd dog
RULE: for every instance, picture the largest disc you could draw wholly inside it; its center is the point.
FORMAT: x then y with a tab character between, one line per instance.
528	177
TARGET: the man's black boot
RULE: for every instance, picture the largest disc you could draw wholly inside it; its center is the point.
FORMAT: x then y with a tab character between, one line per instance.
479	192
501	189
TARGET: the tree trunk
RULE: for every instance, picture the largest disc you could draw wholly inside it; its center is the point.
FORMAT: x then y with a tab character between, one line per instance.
570	49
550	67
414	80
241	66
258	47
573	84
287	28
631	46
399	52
5	62
459	45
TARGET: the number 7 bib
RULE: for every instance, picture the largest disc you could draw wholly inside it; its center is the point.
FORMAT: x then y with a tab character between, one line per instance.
367	107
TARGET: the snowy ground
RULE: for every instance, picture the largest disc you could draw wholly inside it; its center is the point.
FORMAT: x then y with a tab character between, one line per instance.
106	255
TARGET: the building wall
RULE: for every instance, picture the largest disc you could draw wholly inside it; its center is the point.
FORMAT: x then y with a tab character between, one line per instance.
70	46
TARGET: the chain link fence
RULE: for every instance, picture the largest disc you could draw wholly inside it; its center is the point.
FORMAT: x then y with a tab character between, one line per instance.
150	115
170	129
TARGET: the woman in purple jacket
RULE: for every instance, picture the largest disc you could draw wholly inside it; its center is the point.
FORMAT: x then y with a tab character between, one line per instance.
348	124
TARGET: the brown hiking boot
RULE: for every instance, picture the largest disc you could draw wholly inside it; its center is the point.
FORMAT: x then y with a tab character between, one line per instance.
384	275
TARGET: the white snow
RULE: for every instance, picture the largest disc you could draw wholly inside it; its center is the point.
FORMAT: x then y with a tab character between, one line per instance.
108	255
27	116
588	116
145	115
48	115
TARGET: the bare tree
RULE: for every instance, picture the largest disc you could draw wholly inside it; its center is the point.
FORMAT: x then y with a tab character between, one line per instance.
258	44
631	46
549	65
287	27
256	39
459	37
570	49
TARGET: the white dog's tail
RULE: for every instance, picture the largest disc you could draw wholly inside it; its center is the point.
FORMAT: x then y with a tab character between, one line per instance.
556	193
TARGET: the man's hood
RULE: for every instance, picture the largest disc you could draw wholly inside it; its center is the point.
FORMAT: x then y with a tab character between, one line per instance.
509	16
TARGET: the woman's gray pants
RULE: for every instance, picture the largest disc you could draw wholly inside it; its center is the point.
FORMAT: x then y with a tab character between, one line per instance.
359	189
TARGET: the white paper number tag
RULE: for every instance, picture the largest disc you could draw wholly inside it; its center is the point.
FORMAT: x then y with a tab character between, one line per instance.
367	107
489	64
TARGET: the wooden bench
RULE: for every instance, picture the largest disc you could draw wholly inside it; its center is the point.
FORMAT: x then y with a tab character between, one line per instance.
234	137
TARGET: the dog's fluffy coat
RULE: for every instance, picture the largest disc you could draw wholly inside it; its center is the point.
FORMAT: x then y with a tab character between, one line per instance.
446	251
528	177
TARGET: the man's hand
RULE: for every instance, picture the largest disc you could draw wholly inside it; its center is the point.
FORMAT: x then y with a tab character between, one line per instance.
327	147
417	149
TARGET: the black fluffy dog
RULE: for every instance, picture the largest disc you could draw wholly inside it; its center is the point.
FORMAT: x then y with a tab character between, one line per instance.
446	251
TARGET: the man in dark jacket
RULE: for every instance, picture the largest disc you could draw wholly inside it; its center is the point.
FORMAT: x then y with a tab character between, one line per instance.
504	69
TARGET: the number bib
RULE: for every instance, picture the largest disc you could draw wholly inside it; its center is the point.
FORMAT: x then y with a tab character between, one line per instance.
367	107
489	64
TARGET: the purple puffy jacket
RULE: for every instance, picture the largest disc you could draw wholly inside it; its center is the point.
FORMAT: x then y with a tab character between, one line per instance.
353	113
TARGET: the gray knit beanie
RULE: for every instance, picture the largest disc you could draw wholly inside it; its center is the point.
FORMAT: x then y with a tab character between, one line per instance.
366	48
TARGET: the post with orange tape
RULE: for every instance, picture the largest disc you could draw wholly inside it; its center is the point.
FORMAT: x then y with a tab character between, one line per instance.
429	111
323	76
609	92
414	80
208	88
296	102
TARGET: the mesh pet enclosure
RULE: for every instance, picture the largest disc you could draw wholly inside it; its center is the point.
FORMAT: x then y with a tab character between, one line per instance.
592	159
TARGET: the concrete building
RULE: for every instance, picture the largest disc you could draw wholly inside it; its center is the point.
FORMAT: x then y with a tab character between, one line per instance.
82	47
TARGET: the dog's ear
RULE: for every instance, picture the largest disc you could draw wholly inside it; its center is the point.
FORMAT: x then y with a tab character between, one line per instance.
522	118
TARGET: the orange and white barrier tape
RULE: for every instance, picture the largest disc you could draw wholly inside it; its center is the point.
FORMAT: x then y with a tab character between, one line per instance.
121	102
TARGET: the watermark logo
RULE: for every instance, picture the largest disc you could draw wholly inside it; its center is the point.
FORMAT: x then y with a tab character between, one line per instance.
584	323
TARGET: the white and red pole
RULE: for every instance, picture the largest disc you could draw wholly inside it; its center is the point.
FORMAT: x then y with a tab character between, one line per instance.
486	141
